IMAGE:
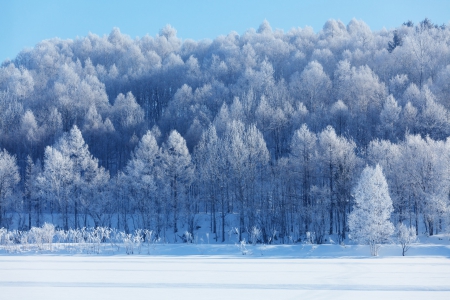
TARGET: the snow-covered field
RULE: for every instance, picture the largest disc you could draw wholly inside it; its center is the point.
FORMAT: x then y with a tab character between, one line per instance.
222	272
225	271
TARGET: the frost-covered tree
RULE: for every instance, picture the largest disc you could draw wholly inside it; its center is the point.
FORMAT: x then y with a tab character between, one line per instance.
337	163
405	236
72	178
257	89
9	178
369	222
142	173
56	182
302	156
312	85
177	171
85	171
247	157
210	162
389	117
29	188
426	181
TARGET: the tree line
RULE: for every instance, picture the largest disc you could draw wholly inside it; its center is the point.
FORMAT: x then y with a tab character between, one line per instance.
273	128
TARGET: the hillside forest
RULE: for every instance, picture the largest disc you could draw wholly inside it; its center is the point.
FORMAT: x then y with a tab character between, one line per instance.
268	129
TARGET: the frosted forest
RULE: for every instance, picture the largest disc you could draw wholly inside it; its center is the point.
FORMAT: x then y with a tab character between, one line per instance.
279	135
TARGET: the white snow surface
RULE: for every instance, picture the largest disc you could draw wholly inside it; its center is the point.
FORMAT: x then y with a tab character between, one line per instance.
190	271
144	277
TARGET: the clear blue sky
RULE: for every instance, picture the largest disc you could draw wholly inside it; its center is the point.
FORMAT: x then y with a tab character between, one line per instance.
24	23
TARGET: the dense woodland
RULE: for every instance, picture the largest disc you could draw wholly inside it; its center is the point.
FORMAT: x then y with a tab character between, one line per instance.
271	127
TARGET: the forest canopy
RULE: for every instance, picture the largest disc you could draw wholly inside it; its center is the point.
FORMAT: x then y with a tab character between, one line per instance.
274	127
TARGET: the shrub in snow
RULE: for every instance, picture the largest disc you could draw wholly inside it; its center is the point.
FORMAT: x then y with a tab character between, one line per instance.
310	238
131	242
369	221
48	232
61	236
128	242
42	237
243	248
83	240
148	239
115	238
95	237
35	237
24	239
138	239
10	240
406	236
188	237
255	234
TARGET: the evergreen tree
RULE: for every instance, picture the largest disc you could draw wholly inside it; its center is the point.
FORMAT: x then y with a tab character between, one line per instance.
397	41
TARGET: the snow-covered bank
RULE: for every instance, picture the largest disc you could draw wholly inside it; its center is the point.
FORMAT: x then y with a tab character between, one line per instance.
106	242
225	271
232	250
174	277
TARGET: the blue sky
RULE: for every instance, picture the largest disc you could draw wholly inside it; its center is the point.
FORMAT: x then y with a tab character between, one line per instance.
26	22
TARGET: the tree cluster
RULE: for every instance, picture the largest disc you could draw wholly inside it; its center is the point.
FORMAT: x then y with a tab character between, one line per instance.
269	126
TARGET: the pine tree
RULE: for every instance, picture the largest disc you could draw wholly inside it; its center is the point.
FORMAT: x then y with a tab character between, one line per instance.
397	41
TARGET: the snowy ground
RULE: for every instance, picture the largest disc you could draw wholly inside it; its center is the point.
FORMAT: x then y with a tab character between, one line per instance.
144	277
222	272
